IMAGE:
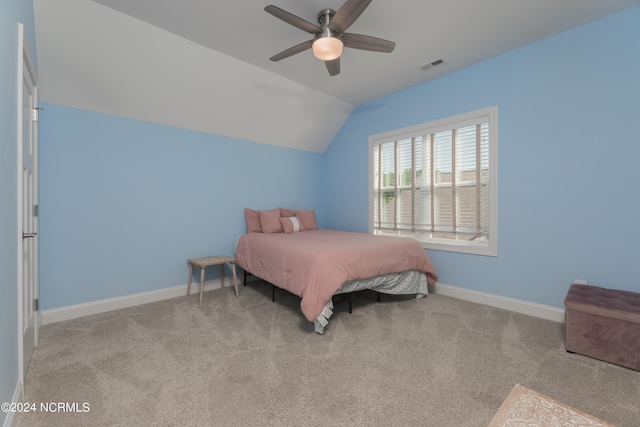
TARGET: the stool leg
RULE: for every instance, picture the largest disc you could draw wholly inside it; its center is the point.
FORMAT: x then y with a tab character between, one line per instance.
222	275
189	281
202	270
235	278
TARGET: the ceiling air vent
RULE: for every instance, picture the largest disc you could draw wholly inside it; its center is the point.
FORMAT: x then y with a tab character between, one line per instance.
428	65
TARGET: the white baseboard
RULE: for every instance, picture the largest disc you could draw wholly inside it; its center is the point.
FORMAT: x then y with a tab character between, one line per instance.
80	310
519	306
11	420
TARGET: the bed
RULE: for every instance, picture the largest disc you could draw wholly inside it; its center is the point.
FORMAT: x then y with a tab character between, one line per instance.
317	264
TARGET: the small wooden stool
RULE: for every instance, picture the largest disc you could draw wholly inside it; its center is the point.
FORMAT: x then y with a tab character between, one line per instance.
205	262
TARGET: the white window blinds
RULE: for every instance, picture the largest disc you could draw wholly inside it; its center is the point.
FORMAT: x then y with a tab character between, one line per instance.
434	183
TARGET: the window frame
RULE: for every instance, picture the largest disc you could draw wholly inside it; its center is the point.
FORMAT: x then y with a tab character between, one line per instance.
488	247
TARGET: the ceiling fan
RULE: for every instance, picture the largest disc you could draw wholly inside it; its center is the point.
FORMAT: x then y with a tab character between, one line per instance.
329	38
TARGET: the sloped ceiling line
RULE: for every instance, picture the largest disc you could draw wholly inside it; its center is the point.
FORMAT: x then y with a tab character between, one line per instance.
205	65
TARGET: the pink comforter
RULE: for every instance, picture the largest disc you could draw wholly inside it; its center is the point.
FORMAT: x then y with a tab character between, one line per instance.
315	264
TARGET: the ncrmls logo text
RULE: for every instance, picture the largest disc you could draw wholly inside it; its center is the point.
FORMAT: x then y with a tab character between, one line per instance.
64	407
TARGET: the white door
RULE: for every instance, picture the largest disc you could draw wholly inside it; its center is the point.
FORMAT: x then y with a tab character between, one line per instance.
27	205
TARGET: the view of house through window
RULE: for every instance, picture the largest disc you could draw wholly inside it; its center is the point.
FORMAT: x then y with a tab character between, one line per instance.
437	183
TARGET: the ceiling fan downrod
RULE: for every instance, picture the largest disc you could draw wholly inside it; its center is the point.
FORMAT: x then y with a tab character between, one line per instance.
324	16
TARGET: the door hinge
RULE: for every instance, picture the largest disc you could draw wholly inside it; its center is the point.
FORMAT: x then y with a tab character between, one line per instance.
35	210
36	304
35	113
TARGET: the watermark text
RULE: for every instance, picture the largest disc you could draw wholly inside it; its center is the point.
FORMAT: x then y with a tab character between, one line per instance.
53	407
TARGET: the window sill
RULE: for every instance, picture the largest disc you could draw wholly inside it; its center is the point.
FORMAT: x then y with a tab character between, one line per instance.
484	248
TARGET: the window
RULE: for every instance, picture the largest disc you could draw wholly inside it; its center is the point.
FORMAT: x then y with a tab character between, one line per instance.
437	183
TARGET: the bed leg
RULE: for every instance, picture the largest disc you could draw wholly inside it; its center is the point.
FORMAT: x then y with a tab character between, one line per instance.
273	293
378	296
245	277
350	306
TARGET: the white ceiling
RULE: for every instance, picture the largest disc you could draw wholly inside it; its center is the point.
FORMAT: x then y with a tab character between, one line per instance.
204	65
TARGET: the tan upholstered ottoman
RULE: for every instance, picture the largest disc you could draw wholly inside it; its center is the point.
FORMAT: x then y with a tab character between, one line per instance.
603	324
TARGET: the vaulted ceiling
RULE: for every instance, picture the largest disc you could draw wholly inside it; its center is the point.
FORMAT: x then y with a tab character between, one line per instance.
204	65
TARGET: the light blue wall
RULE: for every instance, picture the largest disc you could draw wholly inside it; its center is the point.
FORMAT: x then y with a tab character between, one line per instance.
12	12
124	203
569	180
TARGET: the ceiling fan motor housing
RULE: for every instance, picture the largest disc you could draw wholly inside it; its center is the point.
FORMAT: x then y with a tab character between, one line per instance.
331	46
324	17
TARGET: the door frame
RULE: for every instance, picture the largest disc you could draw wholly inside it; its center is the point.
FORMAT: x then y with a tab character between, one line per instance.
25	65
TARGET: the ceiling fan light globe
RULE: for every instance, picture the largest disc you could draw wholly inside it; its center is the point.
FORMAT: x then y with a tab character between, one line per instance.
327	48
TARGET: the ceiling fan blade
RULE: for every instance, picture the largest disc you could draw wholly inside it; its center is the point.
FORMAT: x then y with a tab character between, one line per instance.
362	42
347	14
292	19
292	50
333	66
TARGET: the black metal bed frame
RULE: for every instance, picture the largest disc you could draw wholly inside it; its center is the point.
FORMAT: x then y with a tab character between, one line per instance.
273	291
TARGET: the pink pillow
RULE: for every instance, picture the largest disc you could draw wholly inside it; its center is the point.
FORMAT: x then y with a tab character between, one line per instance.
291	224
307	218
253	221
287	212
270	221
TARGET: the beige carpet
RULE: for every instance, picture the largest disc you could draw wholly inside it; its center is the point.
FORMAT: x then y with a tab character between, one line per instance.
247	361
525	407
